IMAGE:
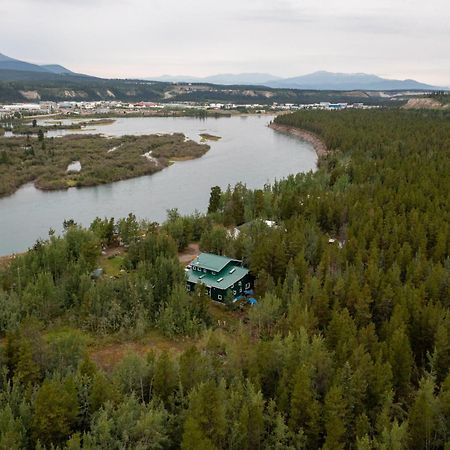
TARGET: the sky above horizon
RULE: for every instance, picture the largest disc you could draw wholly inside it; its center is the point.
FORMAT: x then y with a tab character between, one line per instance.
144	38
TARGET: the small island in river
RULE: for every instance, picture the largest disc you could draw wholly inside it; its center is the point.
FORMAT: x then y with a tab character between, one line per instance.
101	159
209	137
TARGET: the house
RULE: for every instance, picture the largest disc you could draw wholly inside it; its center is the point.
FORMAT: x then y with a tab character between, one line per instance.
219	274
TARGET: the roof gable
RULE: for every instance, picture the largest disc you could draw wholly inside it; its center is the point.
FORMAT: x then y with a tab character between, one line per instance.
213	262
221	281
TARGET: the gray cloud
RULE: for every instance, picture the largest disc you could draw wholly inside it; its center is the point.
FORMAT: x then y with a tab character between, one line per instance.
279	11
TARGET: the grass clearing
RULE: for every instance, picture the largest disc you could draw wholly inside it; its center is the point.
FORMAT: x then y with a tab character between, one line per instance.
111	265
108	351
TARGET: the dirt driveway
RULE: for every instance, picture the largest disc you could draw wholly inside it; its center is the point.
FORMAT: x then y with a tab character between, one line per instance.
189	253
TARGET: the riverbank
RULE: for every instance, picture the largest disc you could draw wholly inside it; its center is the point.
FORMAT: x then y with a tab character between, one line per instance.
316	141
27	128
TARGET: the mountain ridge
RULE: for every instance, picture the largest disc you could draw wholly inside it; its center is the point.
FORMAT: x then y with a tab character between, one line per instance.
8	63
221	78
57	68
324	80
319	80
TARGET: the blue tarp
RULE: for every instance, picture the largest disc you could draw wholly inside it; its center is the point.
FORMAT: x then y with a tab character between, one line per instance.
252	301
249	292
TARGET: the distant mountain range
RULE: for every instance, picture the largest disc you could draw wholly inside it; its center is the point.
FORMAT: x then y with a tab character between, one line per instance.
347	81
24	81
223	78
7	63
320	80
11	69
56	68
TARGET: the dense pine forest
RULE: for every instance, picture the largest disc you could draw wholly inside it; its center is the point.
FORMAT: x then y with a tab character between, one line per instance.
347	348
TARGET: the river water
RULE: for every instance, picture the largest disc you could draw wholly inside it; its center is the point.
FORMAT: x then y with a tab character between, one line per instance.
249	152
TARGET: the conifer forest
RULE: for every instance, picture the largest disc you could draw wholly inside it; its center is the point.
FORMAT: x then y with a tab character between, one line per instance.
348	346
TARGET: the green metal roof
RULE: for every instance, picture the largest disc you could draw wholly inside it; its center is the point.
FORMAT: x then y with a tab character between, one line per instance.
226	278
212	262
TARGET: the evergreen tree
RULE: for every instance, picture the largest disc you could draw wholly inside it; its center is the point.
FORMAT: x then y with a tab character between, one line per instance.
335	419
214	199
55	411
423	417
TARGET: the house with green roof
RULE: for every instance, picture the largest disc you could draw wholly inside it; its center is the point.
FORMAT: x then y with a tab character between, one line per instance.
219	274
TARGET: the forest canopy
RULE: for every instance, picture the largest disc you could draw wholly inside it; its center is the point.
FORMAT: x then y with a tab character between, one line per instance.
347	348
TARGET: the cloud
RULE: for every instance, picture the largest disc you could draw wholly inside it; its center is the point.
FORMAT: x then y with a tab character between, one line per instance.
201	37
389	25
65	3
280	11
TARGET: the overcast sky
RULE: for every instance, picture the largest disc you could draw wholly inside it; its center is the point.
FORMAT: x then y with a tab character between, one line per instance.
143	38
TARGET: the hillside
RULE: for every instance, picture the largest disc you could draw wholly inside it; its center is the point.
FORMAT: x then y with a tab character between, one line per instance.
425	103
58	69
7	63
20	86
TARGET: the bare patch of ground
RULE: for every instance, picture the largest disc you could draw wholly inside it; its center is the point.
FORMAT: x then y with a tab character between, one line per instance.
7	259
31	95
423	103
189	253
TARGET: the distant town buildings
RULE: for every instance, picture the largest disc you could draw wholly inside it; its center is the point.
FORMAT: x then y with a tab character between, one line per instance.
118	107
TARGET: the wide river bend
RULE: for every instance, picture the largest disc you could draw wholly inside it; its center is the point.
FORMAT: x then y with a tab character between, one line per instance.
249	152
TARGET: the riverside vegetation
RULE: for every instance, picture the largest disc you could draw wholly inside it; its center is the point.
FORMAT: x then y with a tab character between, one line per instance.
20	126
103	160
347	348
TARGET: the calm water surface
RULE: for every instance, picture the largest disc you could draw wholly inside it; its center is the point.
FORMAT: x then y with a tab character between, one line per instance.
249	151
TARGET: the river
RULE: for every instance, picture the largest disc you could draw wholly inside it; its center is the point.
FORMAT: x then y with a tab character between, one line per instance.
249	152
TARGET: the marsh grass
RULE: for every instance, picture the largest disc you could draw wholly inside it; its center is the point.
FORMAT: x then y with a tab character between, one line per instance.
25	159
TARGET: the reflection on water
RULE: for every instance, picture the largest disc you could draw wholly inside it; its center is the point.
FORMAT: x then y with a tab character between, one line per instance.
248	152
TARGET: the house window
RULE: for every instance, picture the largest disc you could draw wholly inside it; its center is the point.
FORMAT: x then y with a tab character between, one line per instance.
219	297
